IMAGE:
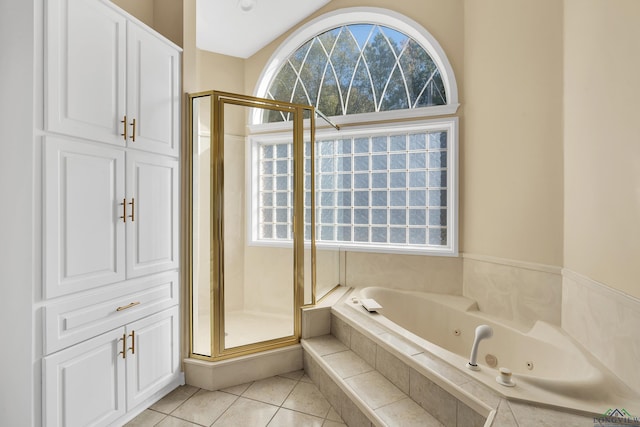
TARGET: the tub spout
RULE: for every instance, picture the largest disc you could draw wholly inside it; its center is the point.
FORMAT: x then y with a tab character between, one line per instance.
482	332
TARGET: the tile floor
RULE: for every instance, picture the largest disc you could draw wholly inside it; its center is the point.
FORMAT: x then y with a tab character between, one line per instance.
281	401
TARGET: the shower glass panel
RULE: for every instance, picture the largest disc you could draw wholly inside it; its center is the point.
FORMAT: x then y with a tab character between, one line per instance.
246	295
309	213
258	280
200	248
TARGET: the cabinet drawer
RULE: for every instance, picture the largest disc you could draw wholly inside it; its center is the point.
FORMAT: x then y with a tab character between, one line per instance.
78	318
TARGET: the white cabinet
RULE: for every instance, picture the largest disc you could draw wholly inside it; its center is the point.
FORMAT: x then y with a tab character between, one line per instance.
110	79
155	355
152	217
95	382
84	385
153	88
110	215
85	69
84	241
72	320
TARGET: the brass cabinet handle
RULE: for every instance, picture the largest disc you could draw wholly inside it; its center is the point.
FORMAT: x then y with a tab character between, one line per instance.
124	346
124	121
124	307
133	134
133	342
124	210
133	209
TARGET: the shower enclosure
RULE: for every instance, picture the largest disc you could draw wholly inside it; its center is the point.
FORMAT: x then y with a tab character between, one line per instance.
246	294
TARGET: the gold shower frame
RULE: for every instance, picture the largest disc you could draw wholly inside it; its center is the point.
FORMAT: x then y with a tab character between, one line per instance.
218	100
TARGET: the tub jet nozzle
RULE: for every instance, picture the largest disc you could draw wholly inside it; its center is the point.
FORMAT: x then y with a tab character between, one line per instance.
482	332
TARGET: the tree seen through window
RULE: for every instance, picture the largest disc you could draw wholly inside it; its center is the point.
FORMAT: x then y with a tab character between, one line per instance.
358	68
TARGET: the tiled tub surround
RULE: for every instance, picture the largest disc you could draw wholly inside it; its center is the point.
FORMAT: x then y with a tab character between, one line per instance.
363	396
562	373
606	322
451	397
548	366
512	290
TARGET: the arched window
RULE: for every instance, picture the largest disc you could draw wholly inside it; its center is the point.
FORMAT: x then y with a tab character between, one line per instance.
389	187
358	68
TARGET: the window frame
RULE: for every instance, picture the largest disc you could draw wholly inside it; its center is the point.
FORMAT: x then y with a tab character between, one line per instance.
448	124
438	116
356	15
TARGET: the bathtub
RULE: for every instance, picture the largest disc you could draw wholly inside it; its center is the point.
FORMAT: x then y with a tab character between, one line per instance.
548	366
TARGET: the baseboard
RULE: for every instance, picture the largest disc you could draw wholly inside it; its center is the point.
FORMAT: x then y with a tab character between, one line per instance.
242	369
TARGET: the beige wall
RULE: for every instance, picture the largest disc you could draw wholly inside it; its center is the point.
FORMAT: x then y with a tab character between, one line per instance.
141	9
167	19
165	16
549	172
511	154
442	18
602	141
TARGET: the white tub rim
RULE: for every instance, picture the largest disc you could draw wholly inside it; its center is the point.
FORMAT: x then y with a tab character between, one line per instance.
583	406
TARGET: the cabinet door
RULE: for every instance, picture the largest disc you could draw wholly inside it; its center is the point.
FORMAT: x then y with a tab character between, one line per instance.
152	235
153	85
68	321
83	232
85	70
84	385
155	360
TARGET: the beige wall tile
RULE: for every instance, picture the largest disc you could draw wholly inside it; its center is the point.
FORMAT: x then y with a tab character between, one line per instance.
407	413
363	347
347	364
433	398
374	389
467	417
393	369
341	330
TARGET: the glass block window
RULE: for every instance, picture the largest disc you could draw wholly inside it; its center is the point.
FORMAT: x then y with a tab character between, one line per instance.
275	194
372	189
358	68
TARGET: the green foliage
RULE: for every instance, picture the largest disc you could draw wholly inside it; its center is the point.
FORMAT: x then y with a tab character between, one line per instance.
358	68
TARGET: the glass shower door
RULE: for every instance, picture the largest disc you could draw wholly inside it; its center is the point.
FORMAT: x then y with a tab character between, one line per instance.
246	293
199	250
258	305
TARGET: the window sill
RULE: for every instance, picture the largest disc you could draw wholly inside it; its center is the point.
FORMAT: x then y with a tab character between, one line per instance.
445	251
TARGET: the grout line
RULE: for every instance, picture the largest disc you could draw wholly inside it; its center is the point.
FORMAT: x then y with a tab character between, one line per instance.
237	397
289	394
228	407
510	410
184	401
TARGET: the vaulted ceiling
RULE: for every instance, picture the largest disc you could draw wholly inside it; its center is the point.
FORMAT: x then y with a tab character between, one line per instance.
240	28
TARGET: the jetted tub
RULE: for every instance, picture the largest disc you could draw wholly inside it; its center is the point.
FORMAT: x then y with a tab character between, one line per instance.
548	366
